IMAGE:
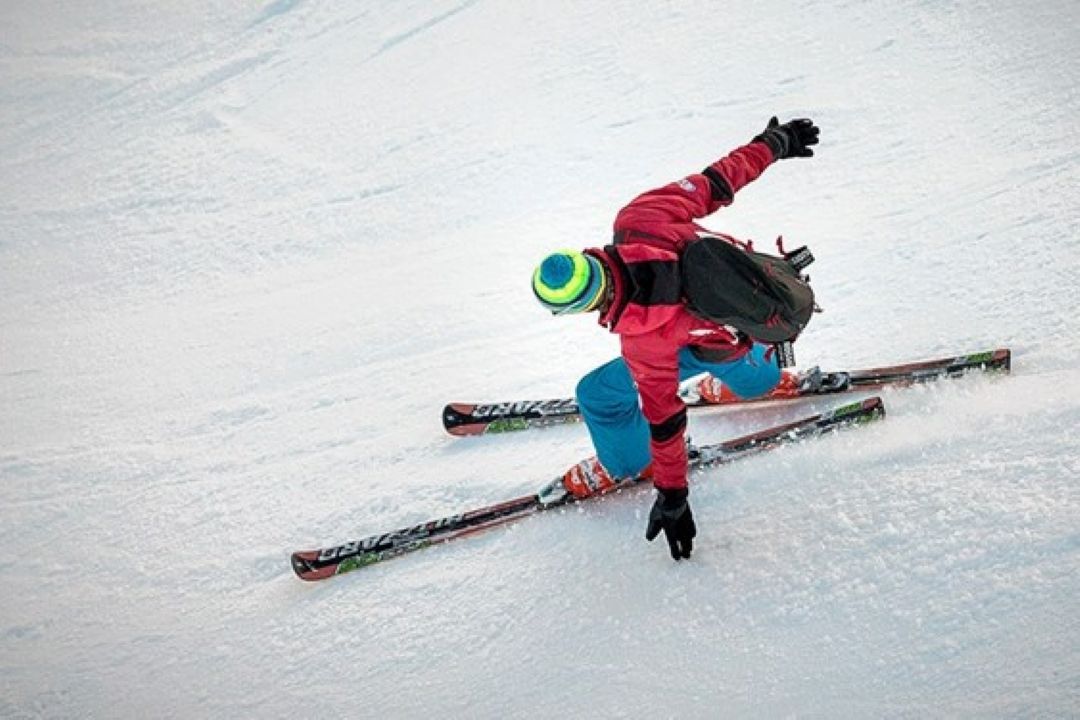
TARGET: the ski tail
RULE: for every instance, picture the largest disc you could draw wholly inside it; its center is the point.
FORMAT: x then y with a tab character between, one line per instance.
327	562
479	419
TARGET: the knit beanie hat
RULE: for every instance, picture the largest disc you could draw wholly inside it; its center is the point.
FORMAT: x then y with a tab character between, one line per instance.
569	281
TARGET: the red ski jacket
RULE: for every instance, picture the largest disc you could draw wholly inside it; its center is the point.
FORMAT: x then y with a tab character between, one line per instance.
647	310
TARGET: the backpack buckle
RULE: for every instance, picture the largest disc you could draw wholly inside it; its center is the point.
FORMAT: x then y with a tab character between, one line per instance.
800	258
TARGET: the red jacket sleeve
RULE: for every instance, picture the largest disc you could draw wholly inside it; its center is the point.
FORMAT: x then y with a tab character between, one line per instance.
668	212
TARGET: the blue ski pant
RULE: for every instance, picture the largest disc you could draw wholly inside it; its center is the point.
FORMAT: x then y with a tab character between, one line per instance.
609	403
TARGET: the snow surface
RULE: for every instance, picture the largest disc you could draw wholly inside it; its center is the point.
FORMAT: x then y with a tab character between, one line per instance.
248	250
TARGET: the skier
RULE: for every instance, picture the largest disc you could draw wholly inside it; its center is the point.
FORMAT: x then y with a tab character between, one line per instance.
636	287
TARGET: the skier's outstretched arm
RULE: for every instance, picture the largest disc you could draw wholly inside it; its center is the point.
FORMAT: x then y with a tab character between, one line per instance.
702	194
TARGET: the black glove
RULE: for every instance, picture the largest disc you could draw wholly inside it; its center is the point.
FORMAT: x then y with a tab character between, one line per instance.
790	139
671	513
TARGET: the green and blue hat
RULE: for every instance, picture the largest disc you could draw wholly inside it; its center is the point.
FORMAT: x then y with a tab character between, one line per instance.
569	281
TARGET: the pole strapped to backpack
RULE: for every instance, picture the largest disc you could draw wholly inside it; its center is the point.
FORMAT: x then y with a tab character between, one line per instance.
799	259
785	354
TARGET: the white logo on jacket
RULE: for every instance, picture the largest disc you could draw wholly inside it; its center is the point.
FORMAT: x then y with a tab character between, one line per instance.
688	186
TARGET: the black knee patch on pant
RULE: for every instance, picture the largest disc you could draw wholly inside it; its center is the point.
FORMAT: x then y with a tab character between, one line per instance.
662	432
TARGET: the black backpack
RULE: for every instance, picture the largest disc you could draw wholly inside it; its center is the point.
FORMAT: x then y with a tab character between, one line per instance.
761	295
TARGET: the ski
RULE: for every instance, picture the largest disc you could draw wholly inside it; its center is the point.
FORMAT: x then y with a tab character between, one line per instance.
327	562
484	418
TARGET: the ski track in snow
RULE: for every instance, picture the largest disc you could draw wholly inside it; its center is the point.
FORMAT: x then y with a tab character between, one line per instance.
247	251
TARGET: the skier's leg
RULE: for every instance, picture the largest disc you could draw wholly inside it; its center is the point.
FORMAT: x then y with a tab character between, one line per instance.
610	407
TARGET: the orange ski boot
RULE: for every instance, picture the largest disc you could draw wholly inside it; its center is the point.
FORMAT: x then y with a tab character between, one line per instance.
589	478
714	392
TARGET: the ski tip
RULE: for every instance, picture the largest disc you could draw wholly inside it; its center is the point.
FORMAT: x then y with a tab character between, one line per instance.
1005	359
874	404
303	564
999	360
870	408
458	420
454	415
468	431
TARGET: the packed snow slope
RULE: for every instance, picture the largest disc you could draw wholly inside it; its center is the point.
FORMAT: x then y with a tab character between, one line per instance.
248	250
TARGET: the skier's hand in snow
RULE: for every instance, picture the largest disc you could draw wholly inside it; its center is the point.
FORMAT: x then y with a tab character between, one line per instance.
792	139
671	513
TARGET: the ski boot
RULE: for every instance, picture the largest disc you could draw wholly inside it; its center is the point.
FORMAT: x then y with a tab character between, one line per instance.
589	478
